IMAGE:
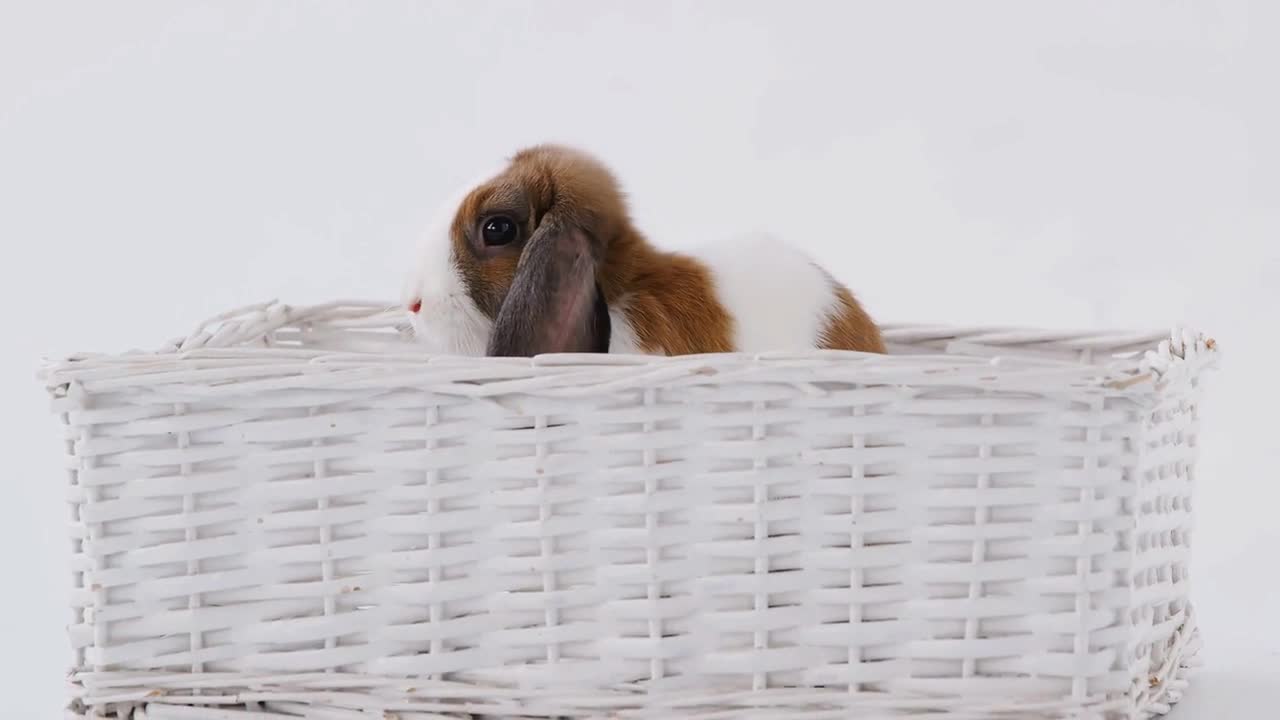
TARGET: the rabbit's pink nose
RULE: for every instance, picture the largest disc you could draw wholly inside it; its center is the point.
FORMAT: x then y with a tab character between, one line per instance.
415	306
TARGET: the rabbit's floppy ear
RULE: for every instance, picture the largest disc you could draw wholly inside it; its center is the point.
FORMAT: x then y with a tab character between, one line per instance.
554	304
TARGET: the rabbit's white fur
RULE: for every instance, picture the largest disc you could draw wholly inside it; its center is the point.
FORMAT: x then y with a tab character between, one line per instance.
449	322
778	297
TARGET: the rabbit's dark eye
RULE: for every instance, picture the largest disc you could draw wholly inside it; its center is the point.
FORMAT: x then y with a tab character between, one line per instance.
499	230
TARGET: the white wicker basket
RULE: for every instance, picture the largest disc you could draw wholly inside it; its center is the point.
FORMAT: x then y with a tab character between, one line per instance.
292	512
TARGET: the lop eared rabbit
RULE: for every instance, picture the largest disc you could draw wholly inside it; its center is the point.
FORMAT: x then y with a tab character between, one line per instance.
543	258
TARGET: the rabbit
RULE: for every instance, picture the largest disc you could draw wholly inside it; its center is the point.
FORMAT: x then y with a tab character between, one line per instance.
542	257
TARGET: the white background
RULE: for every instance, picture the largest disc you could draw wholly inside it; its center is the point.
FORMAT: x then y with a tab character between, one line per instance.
1064	164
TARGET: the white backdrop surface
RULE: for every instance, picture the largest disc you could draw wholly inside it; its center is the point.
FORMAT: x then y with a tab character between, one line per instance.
1064	164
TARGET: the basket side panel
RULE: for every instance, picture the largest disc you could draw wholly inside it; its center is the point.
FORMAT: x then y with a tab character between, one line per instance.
971	543
963	544
1163	624
80	629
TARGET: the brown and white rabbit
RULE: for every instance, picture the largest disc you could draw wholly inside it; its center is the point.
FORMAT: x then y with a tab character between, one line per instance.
543	257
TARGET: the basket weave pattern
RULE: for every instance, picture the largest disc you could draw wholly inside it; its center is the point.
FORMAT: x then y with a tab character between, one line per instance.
292	511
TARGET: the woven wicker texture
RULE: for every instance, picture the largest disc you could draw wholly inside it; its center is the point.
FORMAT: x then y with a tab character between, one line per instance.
292	512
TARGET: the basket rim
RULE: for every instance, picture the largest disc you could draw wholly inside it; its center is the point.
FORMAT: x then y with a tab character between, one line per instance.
1147	361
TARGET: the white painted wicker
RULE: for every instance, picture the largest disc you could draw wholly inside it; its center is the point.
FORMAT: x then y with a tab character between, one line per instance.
292	512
